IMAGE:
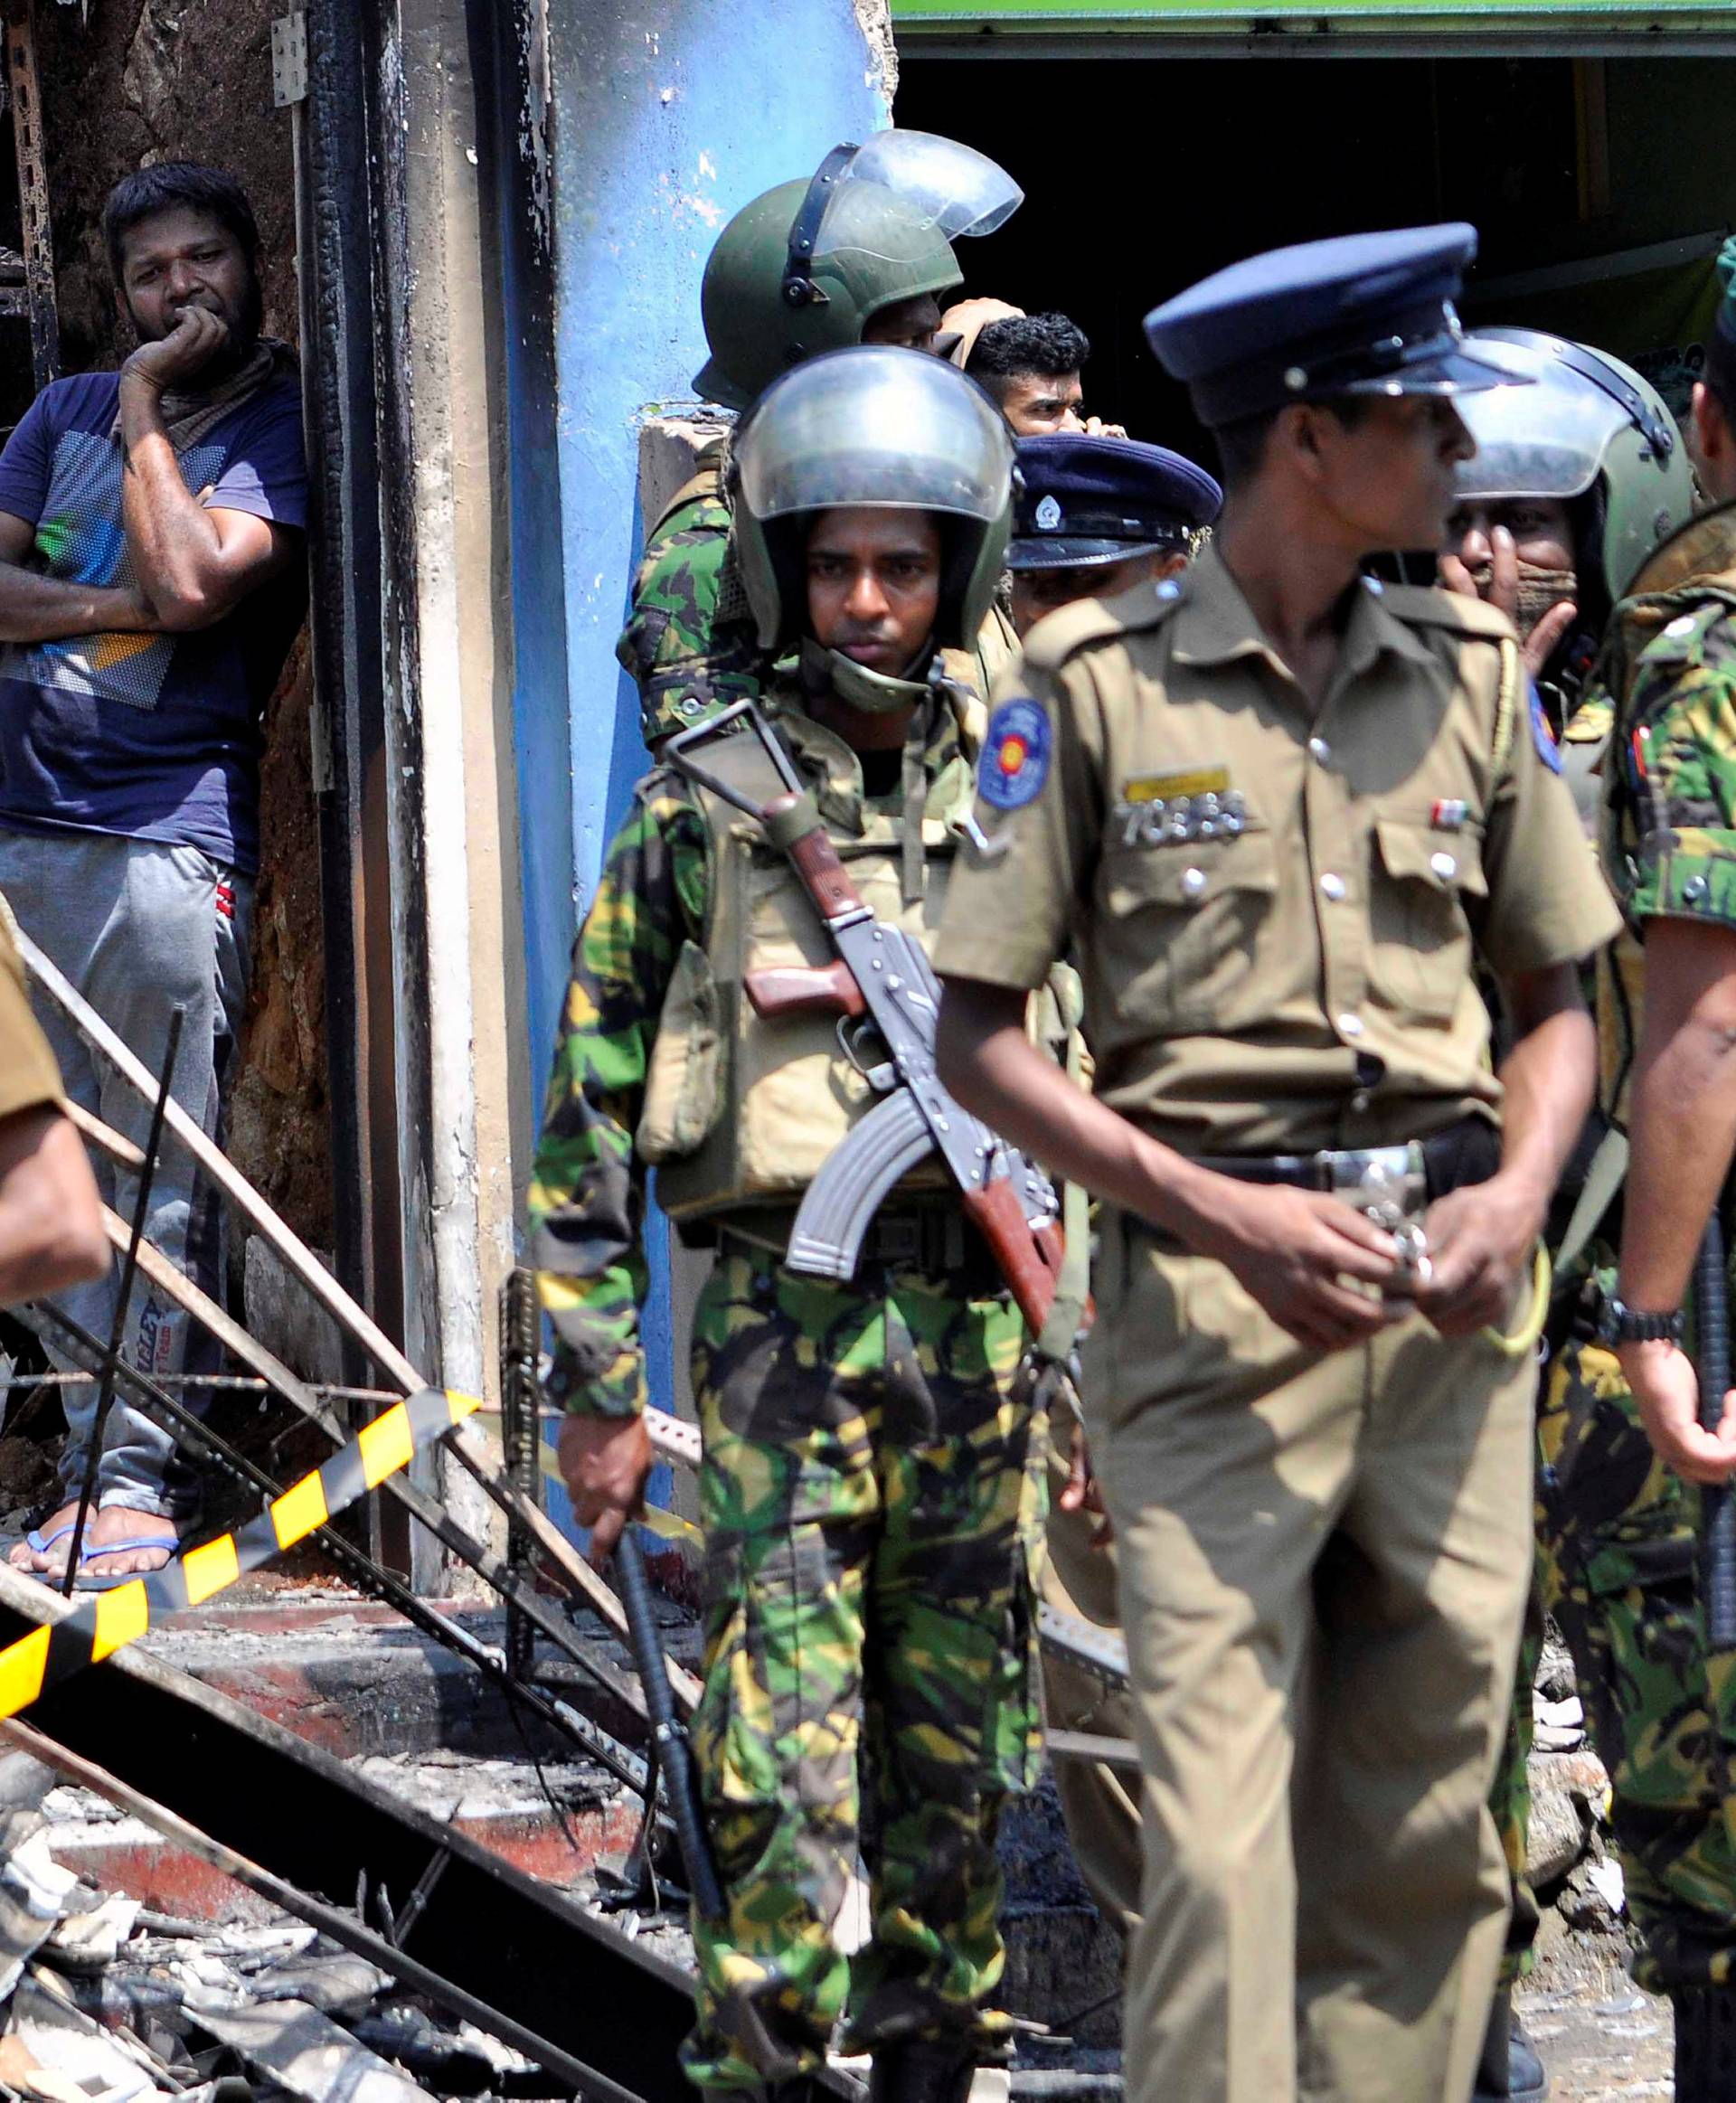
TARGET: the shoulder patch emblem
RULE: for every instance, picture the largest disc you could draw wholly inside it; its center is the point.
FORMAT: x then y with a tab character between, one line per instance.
1542	736
1014	763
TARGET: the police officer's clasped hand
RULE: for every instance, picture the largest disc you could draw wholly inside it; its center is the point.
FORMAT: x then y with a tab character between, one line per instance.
1480	1243
1662	1378
1503	593
1305	1258
604	1462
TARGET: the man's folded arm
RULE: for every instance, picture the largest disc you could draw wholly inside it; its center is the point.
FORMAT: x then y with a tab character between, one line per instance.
35	609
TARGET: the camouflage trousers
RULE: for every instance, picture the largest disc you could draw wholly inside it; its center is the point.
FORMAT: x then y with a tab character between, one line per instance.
1619	1533
873	1496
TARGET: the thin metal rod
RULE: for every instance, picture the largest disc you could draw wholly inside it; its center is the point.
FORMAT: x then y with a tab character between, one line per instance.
247	1384
124	1300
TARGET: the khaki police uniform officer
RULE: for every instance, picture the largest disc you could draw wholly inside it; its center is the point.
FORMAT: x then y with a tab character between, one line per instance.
1273	907
1091	516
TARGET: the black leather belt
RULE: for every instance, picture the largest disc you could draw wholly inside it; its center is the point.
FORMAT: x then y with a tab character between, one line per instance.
1408	1176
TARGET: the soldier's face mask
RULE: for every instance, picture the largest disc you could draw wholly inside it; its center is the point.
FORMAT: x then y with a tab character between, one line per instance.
1541	526
1543	536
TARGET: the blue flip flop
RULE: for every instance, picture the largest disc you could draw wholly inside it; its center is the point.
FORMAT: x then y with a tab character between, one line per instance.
107	1581
38	1543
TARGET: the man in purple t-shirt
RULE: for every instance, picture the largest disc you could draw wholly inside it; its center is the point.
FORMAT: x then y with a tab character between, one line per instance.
152	580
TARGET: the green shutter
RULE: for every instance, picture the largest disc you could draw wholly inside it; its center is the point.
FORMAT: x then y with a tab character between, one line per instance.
1086	16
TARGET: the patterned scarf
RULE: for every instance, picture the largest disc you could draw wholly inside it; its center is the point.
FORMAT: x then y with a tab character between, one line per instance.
187	417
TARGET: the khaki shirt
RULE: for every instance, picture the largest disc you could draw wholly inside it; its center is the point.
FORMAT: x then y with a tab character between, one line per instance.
28	1074
1303	978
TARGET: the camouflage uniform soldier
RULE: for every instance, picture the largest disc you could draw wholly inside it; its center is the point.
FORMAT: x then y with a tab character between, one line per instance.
871	1489
1622	1524
1575	479
858	253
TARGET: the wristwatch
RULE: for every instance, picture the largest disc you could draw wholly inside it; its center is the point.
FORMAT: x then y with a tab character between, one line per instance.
1617	1322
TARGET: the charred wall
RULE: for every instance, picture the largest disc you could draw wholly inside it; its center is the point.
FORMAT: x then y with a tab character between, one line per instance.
164	79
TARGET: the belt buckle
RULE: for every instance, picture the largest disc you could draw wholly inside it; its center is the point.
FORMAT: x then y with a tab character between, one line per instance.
1386	1182
1390	1186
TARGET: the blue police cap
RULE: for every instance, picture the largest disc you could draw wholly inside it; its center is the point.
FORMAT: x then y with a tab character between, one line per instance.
1086	500
1362	314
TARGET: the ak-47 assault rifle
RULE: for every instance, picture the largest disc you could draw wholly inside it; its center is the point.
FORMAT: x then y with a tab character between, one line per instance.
882	986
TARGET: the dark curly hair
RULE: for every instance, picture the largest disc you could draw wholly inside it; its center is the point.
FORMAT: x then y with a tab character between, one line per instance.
170	184
1045	344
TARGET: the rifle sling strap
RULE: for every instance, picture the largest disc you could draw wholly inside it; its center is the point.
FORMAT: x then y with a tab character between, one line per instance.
1603	1179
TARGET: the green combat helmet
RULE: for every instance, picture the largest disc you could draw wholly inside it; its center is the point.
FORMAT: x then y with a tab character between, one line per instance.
1589	427
806	267
1595	436
874	426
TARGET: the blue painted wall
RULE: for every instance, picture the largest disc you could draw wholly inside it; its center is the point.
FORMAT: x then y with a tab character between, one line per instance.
665	120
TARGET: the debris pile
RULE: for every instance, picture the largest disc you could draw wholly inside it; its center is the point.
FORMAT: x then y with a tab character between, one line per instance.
1574	1871
108	2002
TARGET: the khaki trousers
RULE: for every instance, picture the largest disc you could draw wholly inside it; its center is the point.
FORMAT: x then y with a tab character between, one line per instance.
1323	1568
1099	1803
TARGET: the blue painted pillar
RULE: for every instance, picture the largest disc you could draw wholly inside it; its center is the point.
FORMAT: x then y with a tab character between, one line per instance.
665	120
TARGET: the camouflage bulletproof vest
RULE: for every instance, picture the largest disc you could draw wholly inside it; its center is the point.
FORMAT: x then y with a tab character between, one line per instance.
741	1110
1677	616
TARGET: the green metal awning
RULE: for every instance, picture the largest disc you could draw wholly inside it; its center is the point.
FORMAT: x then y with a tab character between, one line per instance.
1663	18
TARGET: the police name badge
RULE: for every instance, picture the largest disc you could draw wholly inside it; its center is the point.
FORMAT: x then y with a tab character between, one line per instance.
1159	809
1014	763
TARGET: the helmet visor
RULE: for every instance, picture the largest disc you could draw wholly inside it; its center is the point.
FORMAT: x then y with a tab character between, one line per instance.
878	427
961	191
1547	439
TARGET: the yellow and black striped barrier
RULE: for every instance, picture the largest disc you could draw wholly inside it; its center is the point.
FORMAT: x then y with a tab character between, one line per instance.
108	1621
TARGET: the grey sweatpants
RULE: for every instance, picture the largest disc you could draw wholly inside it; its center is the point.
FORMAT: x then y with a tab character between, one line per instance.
139	927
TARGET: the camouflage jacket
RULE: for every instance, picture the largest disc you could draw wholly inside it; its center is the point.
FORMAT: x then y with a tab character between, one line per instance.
1668	837
587	1194
690	645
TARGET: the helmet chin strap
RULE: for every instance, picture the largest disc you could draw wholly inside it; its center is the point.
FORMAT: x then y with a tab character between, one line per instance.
873	692
875	695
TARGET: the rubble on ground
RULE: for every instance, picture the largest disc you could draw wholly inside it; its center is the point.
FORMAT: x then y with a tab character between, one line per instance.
105	2001
1583	1919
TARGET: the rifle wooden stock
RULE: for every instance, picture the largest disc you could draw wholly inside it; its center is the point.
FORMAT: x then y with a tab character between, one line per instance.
1028	1260
816	862
805	989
